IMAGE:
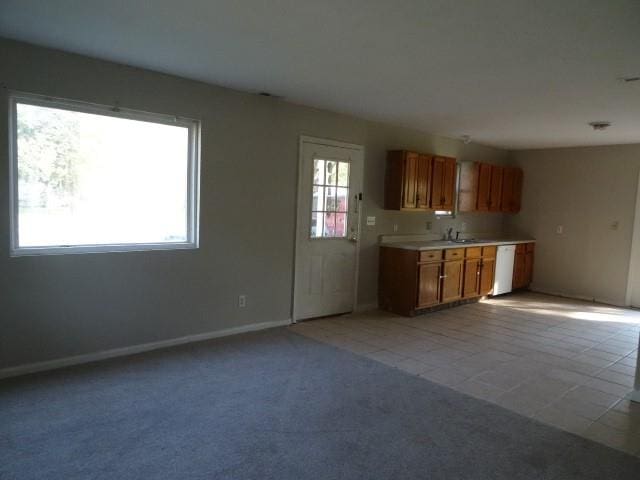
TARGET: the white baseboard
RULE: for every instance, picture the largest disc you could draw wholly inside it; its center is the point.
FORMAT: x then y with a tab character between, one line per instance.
144	347
576	296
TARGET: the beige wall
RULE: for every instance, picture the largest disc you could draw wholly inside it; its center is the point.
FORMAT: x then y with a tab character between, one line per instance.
586	190
58	306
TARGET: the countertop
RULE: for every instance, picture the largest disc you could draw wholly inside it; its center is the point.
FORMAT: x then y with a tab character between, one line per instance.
439	244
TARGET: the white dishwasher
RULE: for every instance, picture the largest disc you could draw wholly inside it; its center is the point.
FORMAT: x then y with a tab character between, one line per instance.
504	269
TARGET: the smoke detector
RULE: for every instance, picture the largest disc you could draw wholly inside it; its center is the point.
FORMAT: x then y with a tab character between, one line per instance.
600	125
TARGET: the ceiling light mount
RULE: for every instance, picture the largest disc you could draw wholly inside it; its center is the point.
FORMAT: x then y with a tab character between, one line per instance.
600	125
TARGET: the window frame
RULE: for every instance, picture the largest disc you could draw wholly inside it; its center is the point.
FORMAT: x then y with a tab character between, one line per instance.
193	175
347	212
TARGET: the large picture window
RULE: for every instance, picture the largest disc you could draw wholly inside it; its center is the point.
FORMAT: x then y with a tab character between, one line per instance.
87	178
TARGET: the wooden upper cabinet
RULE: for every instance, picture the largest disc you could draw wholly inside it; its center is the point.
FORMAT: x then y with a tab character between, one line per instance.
484	187
423	182
443	183
495	195
489	188
407	181
508	175
449	184
511	190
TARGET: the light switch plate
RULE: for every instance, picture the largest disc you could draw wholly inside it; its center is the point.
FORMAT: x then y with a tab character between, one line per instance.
371	221
560	229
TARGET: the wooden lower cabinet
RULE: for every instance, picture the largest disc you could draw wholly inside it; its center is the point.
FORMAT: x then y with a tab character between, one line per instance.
471	284
487	275
523	265
412	280
429	284
451	281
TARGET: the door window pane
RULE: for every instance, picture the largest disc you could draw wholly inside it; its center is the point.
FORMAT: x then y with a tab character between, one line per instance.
317	202
341	225
332	173
343	174
318	172
330	201
342	199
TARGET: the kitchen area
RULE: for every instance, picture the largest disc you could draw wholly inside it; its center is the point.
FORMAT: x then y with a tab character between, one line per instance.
418	274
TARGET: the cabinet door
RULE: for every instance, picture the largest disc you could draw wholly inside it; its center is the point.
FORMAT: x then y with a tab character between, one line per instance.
511	189
428	284
468	190
487	271
508	177
528	265
451	281
484	187
519	280
443	183
448	184
471	282
437	177
423	181
495	196
409	180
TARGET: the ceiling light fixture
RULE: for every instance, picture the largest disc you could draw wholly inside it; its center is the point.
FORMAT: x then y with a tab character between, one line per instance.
600	125
466	139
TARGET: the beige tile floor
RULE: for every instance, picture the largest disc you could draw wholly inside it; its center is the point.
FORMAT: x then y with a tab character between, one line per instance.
563	362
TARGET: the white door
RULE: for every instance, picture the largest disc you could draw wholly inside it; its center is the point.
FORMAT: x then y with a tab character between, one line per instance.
327	228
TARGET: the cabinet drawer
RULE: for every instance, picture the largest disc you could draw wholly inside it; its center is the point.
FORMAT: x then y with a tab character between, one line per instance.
521	248
430	256
489	252
473	252
454	254
530	247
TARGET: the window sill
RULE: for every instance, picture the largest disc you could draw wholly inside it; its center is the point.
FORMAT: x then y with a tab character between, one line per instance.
83	249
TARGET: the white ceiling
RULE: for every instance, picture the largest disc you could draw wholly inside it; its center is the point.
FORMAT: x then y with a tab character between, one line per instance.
509	73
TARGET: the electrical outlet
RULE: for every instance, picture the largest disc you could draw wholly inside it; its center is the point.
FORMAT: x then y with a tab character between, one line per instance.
242	301
429	225
463	227
371	221
395	227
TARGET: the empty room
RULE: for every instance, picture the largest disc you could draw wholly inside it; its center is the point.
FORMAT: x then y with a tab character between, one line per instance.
302	239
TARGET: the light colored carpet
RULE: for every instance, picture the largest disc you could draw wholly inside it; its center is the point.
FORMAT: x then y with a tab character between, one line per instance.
274	405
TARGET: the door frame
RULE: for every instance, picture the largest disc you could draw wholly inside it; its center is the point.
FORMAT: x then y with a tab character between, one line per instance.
327	143
633	280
